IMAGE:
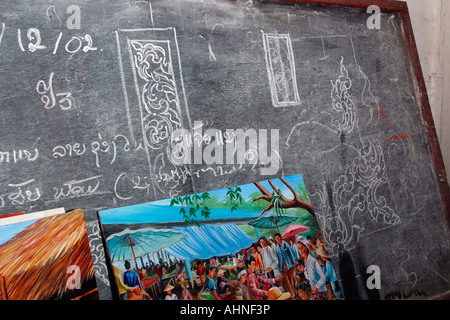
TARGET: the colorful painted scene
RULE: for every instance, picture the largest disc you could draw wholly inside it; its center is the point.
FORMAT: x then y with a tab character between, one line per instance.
46	258
258	241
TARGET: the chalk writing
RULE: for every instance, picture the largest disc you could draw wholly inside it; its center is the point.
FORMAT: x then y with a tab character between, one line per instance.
78	44
72	45
97	148
18	155
34	34
22	193
69	149
126	183
258	147
78	188
104	147
63	99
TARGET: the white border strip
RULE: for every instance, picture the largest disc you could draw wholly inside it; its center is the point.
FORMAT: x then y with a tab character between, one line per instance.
31	216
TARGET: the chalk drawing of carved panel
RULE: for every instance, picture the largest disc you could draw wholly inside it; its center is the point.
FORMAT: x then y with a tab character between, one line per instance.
154	93
281	69
157	90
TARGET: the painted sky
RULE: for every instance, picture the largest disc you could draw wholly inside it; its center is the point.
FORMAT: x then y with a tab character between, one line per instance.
9	231
248	189
158	211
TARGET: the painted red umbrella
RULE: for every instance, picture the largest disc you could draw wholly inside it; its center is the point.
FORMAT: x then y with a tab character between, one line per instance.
294	229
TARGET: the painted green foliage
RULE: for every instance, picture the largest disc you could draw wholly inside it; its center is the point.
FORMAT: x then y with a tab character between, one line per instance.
192	207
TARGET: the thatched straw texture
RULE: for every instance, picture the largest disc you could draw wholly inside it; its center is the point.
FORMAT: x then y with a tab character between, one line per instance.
34	262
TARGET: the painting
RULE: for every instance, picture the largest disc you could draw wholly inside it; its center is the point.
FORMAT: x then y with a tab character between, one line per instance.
46	256
258	241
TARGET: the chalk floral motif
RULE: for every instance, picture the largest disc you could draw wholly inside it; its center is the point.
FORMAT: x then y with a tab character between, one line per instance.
158	94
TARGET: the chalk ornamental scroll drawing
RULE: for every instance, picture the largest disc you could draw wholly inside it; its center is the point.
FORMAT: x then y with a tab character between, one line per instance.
98	258
159	92
281	69
360	184
347	202
343	101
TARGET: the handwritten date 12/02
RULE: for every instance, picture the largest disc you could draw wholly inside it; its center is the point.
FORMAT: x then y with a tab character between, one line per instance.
73	45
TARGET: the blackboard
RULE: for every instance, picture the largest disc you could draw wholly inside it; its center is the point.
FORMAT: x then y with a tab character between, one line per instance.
92	93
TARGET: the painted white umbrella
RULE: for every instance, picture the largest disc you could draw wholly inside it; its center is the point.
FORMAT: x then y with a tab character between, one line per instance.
129	244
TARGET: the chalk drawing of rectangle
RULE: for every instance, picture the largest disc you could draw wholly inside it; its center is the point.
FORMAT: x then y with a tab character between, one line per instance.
155	99
281	69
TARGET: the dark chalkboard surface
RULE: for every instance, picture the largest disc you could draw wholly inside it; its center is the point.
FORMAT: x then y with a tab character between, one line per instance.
95	96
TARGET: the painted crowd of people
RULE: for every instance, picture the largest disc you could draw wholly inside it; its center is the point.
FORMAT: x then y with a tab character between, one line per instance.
129	282
293	269
272	268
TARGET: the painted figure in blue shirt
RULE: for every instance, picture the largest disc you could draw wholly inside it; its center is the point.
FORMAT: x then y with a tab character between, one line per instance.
130	277
323	259
287	264
293	250
210	284
284	251
313	270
